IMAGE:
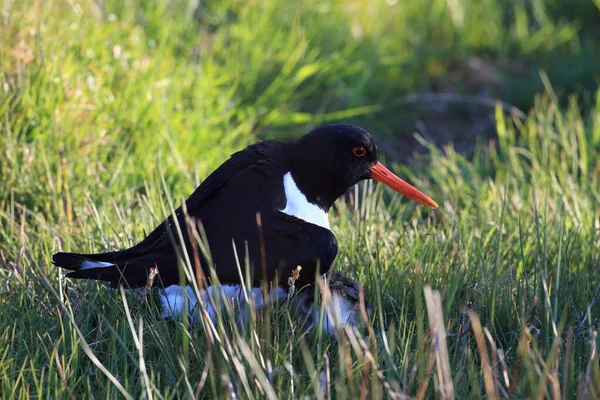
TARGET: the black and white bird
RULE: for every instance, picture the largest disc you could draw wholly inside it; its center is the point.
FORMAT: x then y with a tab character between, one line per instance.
292	185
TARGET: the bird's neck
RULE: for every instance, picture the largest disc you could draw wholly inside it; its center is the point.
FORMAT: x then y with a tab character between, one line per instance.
315	175
298	205
318	187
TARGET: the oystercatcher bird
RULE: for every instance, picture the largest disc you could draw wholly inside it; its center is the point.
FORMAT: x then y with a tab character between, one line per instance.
291	185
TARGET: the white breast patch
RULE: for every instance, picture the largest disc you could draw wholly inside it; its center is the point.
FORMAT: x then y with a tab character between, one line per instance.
298	205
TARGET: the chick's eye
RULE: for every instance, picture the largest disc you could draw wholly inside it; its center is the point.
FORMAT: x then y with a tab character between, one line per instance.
359	151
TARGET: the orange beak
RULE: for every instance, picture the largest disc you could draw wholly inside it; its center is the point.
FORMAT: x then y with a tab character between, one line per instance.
384	175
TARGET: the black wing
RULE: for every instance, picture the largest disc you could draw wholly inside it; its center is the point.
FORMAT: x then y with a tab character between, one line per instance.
260	159
228	198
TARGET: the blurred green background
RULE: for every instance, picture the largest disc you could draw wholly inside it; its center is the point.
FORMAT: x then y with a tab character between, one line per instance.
118	87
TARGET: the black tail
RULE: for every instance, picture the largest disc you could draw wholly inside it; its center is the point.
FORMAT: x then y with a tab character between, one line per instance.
75	262
116	267
89	266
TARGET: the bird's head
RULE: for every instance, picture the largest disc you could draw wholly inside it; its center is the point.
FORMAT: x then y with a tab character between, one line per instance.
329	160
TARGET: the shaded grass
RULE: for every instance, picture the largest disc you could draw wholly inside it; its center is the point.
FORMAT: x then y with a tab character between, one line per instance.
103	102
516	241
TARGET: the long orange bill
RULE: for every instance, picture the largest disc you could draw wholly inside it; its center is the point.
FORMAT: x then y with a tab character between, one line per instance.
384	175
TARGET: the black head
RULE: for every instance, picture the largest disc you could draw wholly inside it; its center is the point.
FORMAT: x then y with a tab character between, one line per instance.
329	160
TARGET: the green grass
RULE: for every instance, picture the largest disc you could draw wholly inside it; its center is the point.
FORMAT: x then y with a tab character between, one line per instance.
110	110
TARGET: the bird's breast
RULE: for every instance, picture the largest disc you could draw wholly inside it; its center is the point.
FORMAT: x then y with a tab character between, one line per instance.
297	204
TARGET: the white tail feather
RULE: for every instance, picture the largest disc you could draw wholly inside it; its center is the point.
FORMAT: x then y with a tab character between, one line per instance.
89	264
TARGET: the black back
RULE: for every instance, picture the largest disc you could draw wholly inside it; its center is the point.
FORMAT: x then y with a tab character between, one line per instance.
323	166
226	204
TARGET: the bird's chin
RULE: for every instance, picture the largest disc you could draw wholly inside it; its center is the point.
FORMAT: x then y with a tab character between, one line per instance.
367	174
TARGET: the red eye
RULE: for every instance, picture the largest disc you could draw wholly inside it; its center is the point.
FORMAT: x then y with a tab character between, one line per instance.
359	151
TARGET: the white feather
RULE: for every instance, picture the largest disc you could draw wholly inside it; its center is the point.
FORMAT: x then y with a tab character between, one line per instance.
338	310
89	264
173	299
298	205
